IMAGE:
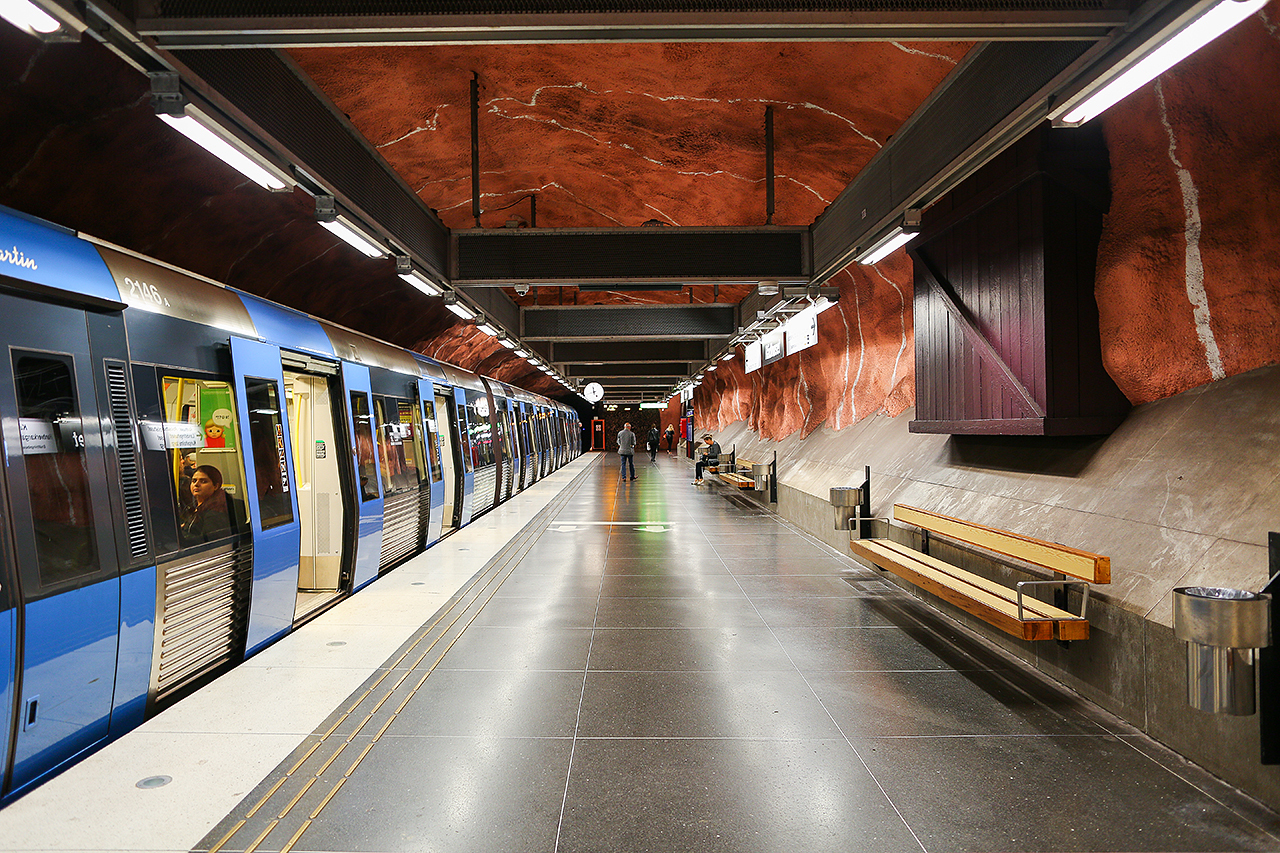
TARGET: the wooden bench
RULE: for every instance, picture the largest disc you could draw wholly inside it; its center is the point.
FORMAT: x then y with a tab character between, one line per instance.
734	473
992	602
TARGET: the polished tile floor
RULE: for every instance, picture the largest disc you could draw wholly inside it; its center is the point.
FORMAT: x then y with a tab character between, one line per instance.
652	666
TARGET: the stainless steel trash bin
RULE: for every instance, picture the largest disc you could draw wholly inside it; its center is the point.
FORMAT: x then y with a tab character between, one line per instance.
1223	629
846	500
760	473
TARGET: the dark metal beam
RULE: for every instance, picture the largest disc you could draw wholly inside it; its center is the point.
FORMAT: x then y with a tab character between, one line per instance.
669	369
627	322
553	24
639	352
502	257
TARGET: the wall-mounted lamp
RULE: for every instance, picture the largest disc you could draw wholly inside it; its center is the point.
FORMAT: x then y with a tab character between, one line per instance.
174	108
28	17
340	226
1162	52
404	269
899	236
451	302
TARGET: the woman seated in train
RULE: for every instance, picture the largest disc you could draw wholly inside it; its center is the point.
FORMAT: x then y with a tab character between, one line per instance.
211	518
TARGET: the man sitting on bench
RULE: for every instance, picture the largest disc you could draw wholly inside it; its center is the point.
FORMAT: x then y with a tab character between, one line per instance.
710	458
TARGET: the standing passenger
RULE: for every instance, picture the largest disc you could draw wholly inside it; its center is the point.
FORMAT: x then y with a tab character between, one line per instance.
627	448
671	438
653	443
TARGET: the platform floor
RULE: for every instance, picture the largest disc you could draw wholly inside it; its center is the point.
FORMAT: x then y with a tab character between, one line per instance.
606	665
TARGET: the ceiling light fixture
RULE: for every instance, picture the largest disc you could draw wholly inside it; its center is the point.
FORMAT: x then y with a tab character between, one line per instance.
28	17
506	342
174	109
522	352
485	326
342	227
404	269
1165	51
727	356
451	302
899	236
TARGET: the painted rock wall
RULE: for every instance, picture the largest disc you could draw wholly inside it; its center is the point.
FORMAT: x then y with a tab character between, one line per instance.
1188	279
1188	282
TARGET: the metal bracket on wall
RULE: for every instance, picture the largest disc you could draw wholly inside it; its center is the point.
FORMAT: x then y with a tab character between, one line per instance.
1269	664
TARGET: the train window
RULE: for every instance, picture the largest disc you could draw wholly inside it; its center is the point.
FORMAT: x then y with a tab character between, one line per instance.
270	464
397	444
432	439
205	458
364	446
479	429
53	450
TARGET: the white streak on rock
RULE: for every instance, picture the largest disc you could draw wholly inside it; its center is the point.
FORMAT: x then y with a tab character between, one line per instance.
433	123
853	403
912	50
1194	262
902	318
1266	22
862	349
662	214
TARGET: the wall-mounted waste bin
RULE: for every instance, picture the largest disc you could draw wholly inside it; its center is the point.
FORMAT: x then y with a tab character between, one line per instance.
760	473
846	500
1223	629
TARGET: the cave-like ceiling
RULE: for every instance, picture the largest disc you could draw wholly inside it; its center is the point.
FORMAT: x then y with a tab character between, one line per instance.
594	117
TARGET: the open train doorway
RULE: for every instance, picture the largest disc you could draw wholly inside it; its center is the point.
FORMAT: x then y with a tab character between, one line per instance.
446	432
324	570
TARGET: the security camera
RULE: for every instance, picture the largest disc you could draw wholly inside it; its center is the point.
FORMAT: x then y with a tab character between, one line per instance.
522	288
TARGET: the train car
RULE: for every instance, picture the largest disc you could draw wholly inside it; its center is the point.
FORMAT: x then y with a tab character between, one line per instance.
191	472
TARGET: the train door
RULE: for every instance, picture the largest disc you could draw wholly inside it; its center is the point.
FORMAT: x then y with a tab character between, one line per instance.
435	462
398	428
8	641
68	595
315	411
355	378
467	452
270	493
450	461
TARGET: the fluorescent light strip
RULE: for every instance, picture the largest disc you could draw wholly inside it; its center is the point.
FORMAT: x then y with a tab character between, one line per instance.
421	282
461	310
488	330
895	241
507	342
727	356
522	353
27	16
203	136
354	238
1196	35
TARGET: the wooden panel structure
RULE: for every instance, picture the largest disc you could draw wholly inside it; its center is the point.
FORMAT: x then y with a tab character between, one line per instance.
1094	568
1006	324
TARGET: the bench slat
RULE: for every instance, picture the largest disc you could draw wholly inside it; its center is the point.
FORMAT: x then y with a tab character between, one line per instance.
977	596
1060	558
1070	626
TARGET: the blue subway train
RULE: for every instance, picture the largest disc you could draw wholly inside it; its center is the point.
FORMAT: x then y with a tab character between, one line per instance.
191	472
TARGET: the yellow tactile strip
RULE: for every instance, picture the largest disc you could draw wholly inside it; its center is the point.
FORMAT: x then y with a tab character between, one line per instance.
308	775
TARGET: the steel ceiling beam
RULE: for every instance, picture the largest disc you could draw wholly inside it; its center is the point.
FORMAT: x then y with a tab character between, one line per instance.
223	25
627	323
669	369
636	352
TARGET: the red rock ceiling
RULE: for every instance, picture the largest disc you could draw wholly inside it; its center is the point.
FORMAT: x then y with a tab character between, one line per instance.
1189	268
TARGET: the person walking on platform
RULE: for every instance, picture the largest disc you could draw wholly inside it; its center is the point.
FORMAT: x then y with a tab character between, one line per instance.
627	449
671	438
653	443
710	458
